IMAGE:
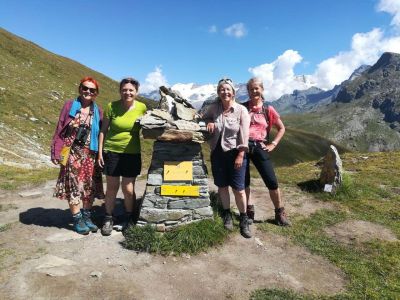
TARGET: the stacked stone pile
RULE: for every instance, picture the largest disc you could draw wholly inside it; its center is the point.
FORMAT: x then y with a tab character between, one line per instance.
174	120
178	135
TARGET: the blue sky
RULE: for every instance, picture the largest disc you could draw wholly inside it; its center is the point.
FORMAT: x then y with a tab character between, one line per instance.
174	41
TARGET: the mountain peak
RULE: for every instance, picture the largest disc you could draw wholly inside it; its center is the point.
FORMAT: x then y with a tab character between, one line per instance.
386	59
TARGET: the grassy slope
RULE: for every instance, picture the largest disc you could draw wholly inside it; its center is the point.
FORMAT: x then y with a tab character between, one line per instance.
370	193
35	83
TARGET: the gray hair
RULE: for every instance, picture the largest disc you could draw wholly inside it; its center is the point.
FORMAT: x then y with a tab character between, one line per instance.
256	80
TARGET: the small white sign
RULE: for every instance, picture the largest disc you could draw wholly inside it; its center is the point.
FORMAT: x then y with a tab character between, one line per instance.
328	188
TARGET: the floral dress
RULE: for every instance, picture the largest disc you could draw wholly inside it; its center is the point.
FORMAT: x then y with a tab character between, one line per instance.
80	179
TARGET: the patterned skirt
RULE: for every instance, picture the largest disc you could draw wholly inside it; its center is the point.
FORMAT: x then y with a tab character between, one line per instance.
80	179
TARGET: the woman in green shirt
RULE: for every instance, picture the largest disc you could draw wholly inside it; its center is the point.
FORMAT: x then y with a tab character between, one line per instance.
119	150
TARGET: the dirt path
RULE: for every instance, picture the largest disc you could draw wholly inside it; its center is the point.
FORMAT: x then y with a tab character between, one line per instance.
41	258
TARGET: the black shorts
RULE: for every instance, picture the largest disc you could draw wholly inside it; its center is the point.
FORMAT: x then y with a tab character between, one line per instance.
122	164
260	158
223	169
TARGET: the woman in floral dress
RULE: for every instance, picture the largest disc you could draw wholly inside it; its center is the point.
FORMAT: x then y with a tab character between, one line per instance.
75	148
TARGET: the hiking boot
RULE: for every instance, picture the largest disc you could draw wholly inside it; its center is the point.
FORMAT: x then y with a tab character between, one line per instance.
126	222
79	224
87	214
244	226
250	214
107	225
227	219
280	217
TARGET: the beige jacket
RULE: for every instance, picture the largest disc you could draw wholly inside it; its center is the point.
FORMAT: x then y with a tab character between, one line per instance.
233	127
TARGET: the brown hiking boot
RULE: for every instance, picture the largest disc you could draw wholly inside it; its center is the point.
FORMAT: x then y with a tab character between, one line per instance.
250	214
280	217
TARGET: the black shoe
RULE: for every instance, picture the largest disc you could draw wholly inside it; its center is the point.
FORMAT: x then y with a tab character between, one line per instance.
125	224
250	213
107	226
244	226
227	219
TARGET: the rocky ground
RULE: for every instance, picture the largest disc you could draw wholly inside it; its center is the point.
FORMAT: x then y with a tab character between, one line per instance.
42	258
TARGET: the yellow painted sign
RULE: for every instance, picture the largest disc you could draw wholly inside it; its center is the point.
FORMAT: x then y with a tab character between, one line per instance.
178	170
180	190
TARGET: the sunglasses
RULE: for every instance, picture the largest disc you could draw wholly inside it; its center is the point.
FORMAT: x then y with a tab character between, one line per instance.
225	80
86	88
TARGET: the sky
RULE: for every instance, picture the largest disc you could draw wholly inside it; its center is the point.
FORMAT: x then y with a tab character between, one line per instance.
165	42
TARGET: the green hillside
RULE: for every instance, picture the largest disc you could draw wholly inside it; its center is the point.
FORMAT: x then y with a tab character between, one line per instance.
34	84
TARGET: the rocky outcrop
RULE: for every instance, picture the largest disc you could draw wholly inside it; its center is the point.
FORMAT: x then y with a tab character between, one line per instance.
379	86
365	114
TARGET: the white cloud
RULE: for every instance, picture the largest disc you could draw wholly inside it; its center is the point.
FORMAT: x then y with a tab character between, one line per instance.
237	30
278	76
212	29
392	7
366	48
153	81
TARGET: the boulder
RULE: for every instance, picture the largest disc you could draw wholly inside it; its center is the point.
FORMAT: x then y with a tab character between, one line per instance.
332	171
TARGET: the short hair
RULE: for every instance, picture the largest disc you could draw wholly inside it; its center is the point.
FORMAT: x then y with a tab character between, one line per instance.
92	80
129	80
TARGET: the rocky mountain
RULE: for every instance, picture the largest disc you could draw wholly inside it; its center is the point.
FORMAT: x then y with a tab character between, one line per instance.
305	100
301	101
365	114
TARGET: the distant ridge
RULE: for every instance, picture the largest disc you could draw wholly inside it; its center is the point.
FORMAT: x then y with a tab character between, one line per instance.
365	114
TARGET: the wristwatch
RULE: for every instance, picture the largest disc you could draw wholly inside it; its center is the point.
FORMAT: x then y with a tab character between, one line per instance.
274	143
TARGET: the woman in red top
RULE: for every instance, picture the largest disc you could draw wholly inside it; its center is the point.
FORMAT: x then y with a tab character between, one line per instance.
74	148
262	118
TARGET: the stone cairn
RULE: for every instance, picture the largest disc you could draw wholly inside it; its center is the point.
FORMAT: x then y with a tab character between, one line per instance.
177	186
332	171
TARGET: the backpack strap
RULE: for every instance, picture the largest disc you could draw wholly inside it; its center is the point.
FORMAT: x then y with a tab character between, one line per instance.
265	109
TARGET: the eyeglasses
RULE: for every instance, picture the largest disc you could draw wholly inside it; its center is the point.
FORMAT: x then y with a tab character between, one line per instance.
225	80
86	88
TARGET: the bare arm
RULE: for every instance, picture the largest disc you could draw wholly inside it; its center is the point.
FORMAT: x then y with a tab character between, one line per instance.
281	131
103	132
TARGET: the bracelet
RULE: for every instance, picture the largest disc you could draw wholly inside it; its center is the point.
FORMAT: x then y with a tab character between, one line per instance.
274	143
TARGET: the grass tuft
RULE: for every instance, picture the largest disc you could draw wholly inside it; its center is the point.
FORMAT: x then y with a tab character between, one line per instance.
5	227
192	238
277	294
